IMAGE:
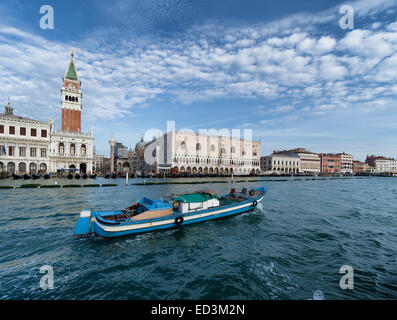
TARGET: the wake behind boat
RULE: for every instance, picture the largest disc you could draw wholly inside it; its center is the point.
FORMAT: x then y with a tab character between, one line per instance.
168	212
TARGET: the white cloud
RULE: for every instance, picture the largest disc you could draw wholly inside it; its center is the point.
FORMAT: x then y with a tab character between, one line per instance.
325	44
387	69
367	43
279	120
392	26
286	59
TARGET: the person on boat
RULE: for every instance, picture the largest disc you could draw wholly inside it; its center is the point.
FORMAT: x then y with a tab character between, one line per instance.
233	193
243	193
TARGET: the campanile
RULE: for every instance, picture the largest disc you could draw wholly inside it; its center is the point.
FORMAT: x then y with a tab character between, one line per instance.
71	99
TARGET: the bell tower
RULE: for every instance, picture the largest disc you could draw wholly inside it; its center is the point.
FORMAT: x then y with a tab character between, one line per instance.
71	99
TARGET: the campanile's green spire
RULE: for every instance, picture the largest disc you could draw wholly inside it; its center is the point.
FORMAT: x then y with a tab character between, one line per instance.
71	72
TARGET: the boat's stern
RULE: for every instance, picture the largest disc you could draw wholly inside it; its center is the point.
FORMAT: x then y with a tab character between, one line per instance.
83	225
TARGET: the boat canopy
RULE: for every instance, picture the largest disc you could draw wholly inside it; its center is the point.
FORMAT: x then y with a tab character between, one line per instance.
154	204
194	197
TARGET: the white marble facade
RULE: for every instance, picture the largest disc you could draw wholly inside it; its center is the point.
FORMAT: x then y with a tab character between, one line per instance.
194	153
31	146
24	143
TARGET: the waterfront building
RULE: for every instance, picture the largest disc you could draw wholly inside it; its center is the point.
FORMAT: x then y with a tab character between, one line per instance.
187	152
368	169
131	161
358	166
309	162
120	151
106	165
370	159
385	165
99	163
345	162
121	158
329	163
382	162
24	143
29	146
72	150
280	164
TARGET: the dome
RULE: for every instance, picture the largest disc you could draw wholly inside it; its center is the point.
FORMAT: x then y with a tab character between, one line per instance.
140	145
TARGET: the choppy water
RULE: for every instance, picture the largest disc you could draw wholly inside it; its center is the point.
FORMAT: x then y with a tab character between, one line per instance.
290	247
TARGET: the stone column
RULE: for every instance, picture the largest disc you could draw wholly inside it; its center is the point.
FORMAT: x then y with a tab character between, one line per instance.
112	142
157	159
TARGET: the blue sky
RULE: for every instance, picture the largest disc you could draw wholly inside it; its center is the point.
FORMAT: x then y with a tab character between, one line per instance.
284	69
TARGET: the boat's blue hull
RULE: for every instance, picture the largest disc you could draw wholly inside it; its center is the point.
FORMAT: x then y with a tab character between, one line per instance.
90	223
101	232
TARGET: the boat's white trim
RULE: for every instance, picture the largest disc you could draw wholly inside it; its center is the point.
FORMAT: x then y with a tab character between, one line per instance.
168	221
85	213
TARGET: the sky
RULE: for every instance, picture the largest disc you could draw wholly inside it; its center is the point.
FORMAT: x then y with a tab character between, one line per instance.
285	69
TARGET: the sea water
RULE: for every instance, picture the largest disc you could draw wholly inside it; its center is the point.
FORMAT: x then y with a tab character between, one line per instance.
291	246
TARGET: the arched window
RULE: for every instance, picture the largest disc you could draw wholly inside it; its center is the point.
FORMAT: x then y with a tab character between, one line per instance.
223	150
198	146
61	148
43	168
83	150
72	148
77	99
233	150
66	98
22	167
33	168
212	148
11	167
154	153
183	145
